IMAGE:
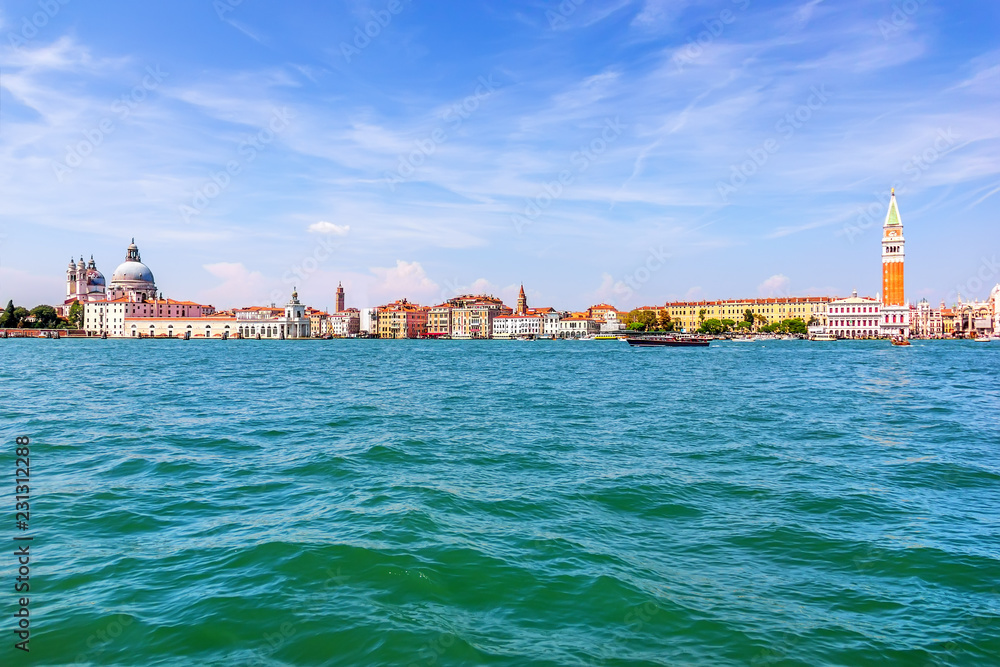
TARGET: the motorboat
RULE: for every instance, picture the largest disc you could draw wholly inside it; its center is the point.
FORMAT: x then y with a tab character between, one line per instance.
669	341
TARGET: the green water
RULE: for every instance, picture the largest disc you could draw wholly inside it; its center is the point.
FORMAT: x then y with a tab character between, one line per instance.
505	503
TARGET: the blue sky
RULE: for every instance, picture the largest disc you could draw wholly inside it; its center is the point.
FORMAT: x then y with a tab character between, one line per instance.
621	151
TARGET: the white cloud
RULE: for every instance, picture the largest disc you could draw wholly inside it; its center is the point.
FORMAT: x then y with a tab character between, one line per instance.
776	285
405	280
323	227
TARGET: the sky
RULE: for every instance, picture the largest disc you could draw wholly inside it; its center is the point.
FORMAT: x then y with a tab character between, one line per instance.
621	151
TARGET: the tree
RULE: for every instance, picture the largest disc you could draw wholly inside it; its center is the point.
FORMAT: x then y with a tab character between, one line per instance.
701	315
748	316
666	323
76	315
727	324
7	318
636	326
711	326
649	318
45	317
17	320
795	326
743	325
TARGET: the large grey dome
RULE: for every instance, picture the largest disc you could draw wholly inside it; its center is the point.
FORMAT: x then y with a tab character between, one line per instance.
132	271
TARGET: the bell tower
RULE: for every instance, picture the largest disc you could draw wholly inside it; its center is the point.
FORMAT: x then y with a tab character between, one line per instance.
340	298
893	255
522	303
895	315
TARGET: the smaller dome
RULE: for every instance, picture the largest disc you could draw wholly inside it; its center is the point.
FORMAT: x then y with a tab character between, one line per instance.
95	281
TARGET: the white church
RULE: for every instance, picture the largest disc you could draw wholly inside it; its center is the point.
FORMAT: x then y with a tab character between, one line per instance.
128	307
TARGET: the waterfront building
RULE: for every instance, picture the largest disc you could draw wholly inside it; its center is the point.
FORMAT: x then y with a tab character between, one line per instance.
439	320
690	314
995	308
925	321
854	317
532	322
318	322
577	325
344	324
272	322
369	321
895	319
111	317
402	319
217	325
608	317
472	315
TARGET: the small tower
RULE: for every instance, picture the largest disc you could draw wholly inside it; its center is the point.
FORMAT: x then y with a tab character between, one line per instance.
522	303
81	277
340	298
71	279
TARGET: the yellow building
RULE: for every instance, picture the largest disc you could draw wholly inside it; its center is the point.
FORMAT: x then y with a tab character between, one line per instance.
690	314
402	319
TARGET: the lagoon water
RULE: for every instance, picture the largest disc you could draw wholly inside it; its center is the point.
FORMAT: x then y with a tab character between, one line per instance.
507	503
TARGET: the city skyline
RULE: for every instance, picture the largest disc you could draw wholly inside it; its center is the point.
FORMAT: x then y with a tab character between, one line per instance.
423	164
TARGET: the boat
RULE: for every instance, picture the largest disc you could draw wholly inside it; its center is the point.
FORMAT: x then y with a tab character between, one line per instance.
668	341
602	336
546	337
986	339
823	337
900	341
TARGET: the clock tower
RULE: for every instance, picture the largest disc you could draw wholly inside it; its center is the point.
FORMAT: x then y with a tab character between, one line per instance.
895	319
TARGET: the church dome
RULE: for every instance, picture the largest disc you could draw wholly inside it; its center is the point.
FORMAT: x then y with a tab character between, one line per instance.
95	281
132	271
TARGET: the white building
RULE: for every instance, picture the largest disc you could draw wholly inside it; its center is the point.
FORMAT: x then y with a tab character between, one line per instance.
577	325
270	322
368	321
854	317
344	324
533	322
